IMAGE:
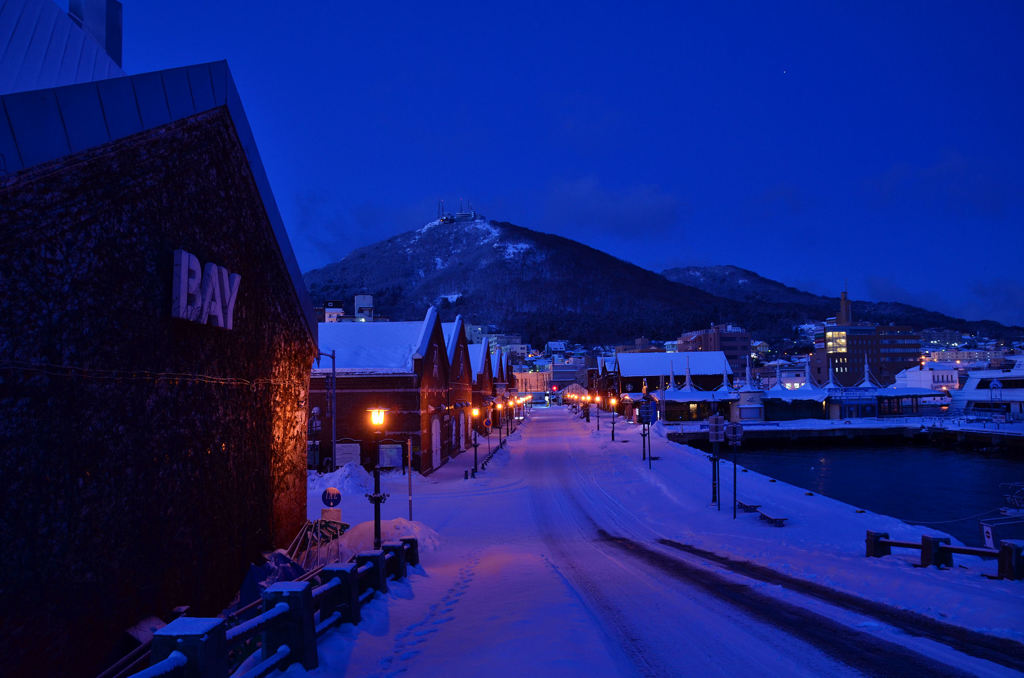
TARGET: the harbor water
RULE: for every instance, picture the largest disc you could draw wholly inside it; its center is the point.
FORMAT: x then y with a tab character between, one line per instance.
947	489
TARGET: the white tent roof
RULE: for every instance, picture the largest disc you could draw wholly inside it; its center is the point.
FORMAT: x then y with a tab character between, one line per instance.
647	364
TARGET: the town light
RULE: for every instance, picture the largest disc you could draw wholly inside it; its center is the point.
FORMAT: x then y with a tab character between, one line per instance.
476	412
614	402
377	416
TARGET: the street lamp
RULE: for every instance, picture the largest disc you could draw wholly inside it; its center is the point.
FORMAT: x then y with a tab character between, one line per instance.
475	413
501	422
613	402
377	498
597	403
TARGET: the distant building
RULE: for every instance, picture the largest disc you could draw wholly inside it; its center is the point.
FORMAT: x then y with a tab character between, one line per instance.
936	376
733	341
940	338
332	311
969	355
846	346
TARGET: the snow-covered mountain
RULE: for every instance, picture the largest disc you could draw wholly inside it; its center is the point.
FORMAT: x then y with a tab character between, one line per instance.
538	284
545	286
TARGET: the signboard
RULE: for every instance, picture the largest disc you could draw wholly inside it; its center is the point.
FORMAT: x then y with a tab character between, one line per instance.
716	428
346	453
203	294
646	413
390	455
487	422
734	432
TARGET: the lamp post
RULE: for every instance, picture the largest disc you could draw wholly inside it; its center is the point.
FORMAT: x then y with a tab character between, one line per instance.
614	402
377	498
332	402
597	403
475	413
501	423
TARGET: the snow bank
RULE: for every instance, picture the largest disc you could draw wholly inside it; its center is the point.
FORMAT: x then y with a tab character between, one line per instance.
360	537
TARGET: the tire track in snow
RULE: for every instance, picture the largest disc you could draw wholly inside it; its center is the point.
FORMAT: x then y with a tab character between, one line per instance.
1003	651
856	649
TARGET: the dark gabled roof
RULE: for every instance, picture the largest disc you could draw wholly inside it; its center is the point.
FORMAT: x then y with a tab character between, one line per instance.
47	124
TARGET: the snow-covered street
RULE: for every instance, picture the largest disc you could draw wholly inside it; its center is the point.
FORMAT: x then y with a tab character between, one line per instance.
568	556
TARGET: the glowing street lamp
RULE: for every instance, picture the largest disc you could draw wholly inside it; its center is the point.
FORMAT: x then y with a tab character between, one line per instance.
377	498
613	402
597	403
475	413
498	406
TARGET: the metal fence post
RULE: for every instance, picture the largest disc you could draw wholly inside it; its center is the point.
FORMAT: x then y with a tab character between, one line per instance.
200	639
295	629
412	556
378	575
932	553
397	549
874	546
1011	559
344	598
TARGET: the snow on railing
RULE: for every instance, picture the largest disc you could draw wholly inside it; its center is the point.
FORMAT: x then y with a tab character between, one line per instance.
294	614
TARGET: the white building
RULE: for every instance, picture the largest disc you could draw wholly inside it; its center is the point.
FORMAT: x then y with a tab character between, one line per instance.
936	376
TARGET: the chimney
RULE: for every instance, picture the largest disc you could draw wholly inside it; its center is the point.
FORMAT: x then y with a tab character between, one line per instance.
102	20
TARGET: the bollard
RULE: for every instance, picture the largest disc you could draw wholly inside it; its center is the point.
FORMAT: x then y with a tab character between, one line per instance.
398	562
344	598
295	629
874	546
378	575
465	475
200	639
932	553
474	473
1011	559
412	555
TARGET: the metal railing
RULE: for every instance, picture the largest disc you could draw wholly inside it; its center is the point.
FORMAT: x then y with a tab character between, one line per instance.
294	615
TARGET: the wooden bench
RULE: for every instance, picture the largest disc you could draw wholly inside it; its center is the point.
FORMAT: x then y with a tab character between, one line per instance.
747	508
777	522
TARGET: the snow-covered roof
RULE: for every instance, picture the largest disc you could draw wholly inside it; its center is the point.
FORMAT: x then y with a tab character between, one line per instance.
477	355
377	348
647	364
451	336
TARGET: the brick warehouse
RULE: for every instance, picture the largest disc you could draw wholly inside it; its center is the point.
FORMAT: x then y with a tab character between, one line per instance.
401	366
146	459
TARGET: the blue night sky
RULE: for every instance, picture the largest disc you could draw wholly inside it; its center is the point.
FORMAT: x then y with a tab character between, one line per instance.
876	143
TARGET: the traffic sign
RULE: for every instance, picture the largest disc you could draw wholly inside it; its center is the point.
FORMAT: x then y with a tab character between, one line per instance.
716	428
734	432
487	422
331	497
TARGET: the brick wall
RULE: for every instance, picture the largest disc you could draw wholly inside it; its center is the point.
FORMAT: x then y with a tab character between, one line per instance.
123	494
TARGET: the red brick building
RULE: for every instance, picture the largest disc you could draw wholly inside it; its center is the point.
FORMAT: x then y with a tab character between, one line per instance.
460	384
733	341
483	381
400	366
